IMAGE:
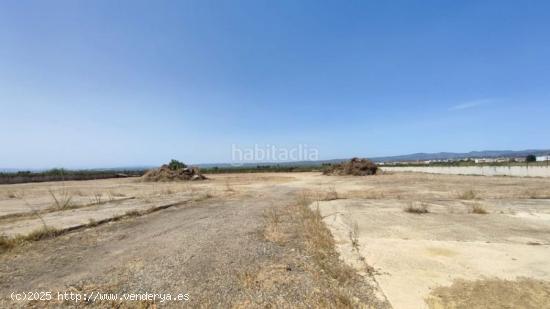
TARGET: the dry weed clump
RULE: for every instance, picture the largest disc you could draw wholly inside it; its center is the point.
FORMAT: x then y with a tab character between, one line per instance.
116	194
63	200
354	167
173	172
273	229
96	198
331	194
132	213
354	236
12	195
468	195
536	194
417	208
204	196
373	195
478	209
45	232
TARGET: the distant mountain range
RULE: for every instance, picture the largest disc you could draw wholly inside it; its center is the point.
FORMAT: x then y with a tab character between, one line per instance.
463	155
409	157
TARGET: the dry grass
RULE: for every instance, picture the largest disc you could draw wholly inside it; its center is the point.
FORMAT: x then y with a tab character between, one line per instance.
273	230
478	209
468	195
204	196
354	236
78	193
311	275
168	191
492	294
229	187
248	279
92	222
12	195
7	243
370	194
63	200
330	194
132	213
320	243
110	196
190	188
116	194
536	194
417	208
42	233
95	199
373	195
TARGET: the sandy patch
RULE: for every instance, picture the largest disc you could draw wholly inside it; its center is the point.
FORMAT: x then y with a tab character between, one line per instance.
414	254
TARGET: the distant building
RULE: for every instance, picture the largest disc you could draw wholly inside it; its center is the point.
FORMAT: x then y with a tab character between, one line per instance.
543	158
492	160
485	160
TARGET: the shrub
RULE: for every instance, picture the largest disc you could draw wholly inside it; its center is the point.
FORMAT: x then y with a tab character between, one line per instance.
176	165
468	195
355	167
415	208
478	209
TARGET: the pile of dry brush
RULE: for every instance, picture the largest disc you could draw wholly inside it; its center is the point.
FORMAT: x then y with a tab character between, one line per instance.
174	171
355	167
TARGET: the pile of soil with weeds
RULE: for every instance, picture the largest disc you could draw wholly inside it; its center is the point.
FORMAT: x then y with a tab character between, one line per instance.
173	172
355	167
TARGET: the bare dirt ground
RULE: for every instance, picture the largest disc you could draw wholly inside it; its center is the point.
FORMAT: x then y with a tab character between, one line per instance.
257	240
470	248
238	241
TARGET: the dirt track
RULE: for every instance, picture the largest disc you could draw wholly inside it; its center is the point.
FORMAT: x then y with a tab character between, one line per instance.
197	249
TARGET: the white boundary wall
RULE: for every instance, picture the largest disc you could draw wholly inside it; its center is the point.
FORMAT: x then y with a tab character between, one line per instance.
519	171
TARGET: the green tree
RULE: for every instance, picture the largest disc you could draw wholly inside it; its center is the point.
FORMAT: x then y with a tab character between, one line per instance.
176	165
530	158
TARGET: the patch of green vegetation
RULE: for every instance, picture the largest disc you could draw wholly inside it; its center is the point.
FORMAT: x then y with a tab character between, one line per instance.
176	165
60	174
260	169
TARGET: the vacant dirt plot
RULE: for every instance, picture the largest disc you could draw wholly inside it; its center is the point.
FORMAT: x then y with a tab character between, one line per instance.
248	240
213	242
436	229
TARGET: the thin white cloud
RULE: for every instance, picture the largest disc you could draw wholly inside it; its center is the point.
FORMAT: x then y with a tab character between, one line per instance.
470	104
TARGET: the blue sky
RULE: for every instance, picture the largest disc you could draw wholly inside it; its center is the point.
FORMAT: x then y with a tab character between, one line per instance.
121	83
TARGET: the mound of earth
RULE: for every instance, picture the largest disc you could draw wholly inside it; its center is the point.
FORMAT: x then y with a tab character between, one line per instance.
165	173
355	167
